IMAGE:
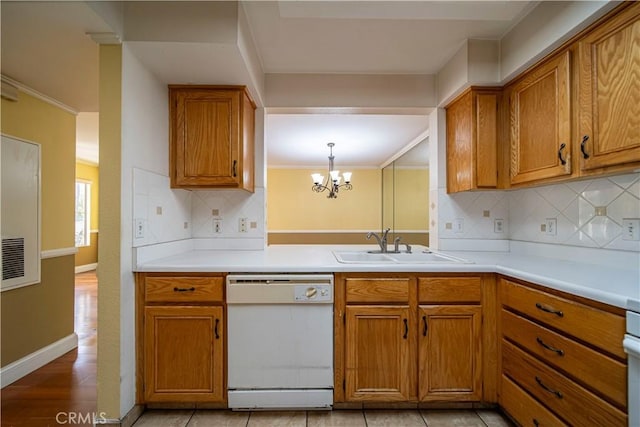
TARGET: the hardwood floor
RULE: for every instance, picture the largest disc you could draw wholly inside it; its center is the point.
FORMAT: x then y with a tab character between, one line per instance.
63	391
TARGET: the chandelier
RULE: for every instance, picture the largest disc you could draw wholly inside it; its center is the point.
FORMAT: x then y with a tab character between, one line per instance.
332	184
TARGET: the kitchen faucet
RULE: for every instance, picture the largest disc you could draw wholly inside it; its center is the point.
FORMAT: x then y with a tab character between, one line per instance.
382	240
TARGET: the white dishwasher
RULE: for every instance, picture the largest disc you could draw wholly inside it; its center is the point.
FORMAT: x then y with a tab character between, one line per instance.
280	341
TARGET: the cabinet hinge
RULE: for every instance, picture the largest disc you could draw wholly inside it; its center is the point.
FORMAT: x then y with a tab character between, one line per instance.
344	385
344	319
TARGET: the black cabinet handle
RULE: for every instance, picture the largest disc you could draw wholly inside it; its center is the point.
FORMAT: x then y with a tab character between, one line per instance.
582	146
424	326
550	390
406	329
235	168
562	160
546	309
215	329
191	289
550	348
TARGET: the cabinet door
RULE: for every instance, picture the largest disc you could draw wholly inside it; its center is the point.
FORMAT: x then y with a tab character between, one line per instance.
205	137
380	354
183	352
450	353
472	141
540	122
609	92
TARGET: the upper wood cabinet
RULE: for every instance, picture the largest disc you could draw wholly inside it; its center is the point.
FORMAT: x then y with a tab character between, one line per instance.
540	122
609	93
472	140
211	135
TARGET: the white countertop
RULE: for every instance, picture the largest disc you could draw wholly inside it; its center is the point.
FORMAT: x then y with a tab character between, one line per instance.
615	285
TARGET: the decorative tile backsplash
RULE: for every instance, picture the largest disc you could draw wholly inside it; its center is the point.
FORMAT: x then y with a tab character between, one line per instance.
588	213
584	213
167	214
162	213
218	214
473	215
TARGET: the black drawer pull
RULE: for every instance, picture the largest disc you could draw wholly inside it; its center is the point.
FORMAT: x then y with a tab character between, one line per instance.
563	161
191	289
425	327
550	390
549	310
406	329
215	329
550	348
582	146
235	168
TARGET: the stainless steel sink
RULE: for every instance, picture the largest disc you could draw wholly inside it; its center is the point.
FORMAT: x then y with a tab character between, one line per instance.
422	257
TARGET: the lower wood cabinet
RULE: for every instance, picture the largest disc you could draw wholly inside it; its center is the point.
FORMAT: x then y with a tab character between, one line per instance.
183	354
181	336
562	353
379	356
410	338
450	351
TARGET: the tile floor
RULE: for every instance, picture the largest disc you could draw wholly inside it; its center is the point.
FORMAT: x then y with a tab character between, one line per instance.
337	418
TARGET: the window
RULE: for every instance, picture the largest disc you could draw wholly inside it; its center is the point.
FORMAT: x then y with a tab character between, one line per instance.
83	213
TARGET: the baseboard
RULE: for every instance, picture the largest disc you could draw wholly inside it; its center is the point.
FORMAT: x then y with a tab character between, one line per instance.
86	267
127	421
22	367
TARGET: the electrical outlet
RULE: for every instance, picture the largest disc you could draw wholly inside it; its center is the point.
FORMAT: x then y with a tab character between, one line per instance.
498	225
551	225
158	210
139	229
186	225
217	226
242	225
458	225
631	229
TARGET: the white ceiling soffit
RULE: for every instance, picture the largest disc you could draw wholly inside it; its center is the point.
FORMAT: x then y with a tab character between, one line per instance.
384	37
362	140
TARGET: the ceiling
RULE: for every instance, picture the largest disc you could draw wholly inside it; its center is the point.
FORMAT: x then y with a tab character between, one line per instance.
356	37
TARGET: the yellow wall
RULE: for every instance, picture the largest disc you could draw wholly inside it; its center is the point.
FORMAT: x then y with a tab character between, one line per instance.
411	193
291	205
38	315
110	89
55	130
89	254
90	173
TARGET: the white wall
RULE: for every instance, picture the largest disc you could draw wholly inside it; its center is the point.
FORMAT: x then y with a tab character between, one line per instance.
350	90
144	146
546	27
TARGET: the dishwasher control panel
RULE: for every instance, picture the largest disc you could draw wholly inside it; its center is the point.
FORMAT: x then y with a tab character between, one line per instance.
313	293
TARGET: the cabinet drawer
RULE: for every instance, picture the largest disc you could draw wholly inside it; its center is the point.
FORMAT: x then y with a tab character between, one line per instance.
564	397
599	372
377	289
525	409
599	328
449	289
183	289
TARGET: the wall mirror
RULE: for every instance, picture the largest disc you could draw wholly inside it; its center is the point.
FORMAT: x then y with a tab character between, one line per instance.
405	195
